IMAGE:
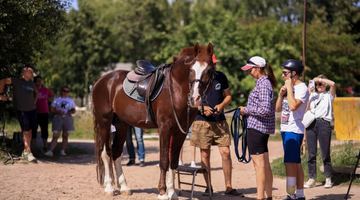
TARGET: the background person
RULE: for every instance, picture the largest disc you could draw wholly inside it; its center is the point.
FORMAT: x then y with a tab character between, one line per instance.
292	101
63	107
139	133
42	110
24	97
320	103
260	113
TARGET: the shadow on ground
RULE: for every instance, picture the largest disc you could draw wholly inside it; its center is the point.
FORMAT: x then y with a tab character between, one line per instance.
331	197
80	153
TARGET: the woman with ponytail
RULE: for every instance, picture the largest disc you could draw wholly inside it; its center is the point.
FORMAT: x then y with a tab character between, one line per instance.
260	113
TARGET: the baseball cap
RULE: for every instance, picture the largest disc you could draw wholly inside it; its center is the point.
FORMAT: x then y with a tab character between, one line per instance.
255	61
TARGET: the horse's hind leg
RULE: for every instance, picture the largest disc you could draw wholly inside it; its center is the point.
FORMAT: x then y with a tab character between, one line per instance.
108	171
117	147
104	162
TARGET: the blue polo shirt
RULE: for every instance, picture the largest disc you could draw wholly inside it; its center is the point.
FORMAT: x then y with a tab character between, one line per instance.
214	96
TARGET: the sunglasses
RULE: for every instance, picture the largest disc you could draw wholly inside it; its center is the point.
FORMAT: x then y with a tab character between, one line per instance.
319	84
285	73
65	90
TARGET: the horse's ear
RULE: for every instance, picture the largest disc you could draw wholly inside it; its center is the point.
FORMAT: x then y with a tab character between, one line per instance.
196	48
174	59
210	48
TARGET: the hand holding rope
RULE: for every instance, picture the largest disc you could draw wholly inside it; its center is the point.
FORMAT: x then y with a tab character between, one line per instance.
238	123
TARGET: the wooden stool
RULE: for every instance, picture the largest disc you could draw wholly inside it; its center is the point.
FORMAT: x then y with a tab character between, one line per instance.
193	171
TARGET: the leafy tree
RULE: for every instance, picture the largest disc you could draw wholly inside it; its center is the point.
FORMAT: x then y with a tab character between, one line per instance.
24	27
84	50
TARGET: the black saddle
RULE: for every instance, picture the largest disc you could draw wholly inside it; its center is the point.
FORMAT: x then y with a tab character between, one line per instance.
147	81
143	70
144	67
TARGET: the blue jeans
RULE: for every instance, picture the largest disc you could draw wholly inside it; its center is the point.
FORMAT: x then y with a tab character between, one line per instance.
139	143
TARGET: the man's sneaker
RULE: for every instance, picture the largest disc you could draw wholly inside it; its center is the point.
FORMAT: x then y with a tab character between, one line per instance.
206	193
131	162
62	152
328	183
310	183
233	192
180	163
49	154
300	198
29	157
142	163
289	197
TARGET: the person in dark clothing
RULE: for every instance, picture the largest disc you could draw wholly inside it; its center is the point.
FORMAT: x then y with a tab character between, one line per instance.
24	97
210	128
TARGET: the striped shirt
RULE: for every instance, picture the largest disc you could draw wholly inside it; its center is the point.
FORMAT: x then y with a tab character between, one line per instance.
260	107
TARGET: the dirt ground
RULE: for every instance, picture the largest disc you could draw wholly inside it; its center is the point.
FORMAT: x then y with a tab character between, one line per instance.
74	177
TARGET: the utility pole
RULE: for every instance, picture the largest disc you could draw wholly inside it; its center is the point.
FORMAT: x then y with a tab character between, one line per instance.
304	40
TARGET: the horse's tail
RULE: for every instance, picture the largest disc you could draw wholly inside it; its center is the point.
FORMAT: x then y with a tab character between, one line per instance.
99	145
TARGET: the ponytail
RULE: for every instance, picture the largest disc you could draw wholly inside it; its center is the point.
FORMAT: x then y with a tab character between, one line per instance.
270	74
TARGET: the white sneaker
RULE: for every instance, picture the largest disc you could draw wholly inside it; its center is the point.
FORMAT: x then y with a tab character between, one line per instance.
49	154
193	164
62	152
180	162
29	156
328	183
310	183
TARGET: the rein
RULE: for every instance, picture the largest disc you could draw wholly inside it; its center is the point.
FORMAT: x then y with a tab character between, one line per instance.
236	121
188	99
173	107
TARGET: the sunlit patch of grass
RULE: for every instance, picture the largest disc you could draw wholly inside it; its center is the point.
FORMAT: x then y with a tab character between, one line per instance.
342	156
84	126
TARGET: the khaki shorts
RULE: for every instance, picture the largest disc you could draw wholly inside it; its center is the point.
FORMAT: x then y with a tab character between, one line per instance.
205	134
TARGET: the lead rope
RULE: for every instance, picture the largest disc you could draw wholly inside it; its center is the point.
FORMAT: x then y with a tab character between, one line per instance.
236	121
173	107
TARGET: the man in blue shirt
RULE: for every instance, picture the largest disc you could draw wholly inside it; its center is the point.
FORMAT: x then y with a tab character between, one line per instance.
210	128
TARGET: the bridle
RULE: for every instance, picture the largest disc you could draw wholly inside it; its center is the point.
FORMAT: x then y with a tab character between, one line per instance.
191	83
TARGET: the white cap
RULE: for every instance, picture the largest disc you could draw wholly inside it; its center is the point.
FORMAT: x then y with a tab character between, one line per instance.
255	61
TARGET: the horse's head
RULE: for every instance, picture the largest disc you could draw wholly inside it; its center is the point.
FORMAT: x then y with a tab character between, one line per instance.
202	68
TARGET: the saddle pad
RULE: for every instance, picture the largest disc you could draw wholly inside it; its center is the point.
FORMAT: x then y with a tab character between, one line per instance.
130	91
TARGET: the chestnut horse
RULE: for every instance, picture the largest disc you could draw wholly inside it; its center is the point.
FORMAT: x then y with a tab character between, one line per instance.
174	109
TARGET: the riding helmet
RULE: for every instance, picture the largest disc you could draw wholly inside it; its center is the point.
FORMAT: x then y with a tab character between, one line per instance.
293	65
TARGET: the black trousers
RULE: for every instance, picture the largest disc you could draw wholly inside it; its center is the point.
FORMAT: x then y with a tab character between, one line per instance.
43	122
320	130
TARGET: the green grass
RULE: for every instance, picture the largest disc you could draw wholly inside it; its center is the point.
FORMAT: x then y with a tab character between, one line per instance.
342	156
83	122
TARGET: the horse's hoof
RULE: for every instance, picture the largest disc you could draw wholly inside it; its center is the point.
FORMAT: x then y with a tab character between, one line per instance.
172	195
109	190
126	192
163	197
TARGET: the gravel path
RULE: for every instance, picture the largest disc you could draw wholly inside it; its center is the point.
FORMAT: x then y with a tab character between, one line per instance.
74	177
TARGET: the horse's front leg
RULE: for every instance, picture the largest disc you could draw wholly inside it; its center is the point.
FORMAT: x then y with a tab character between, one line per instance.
164	162
121	181
176	143
170	183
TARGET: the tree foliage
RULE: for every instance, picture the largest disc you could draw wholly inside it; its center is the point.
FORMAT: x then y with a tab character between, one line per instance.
102	33
24	26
